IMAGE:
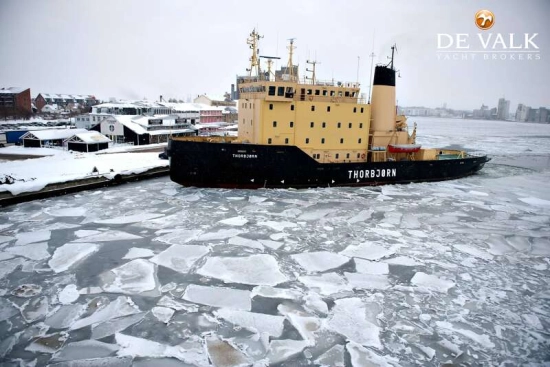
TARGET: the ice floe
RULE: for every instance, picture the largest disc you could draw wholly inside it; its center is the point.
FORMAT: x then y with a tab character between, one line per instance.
163	314
255	269
223	354
179	236
8	266
278	226
69	294
66	212
25	238
70	254
135	277
122	306
33	251
218	297
272	292
136	252
65	316
367	251
361	356
371	267
349	318
368	281
282	350
305	324
115	325
85	349
130	218
235	221
221	234
245	242
429	282
180	258
326	284
255	322
320	261
108	236
334	357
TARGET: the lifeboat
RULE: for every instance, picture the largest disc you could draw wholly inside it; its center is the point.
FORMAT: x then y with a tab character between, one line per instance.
403	148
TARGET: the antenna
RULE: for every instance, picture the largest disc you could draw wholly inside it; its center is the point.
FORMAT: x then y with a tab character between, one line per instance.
312	70
269	62
372	55
252	40
290	66
358	60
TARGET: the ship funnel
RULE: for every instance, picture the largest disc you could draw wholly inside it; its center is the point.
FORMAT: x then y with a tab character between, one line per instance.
383	112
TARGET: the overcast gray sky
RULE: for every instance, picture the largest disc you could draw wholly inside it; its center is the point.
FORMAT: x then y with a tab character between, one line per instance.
135	48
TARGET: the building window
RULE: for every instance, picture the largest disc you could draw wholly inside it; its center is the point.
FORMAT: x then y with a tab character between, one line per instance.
360	125
346	94
322	140
337	155
341	140
332	93
325	92
350	125
361	109
339	125
274	123
271	90
359	141
354	109
280	91
313	108
307	140
291	123
309	91
271	106
324	125
311	124
317	92
292	107
328	108
286	140
269	141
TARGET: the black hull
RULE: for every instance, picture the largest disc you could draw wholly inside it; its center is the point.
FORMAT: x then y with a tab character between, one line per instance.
226	165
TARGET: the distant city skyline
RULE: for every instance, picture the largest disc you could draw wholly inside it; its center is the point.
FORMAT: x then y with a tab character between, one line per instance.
179	49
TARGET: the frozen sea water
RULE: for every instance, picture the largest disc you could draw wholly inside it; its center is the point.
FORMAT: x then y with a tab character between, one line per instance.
408	275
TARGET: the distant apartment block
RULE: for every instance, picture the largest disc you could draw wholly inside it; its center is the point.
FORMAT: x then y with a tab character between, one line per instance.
65	101
528	114
522	112
15	102
216	101
503	109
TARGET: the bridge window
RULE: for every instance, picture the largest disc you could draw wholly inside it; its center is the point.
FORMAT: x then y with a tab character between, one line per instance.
271	91
340	94
280	91
328	108
332	93
325	92
309	91
291	123
317	92
274	123
361	109
271	106
269	141
312	124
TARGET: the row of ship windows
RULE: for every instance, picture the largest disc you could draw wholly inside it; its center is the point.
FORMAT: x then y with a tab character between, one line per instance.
323	124
313	108
337	156
281	91
269	141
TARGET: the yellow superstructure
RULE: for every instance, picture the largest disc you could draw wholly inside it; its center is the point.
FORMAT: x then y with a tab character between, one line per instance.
327	120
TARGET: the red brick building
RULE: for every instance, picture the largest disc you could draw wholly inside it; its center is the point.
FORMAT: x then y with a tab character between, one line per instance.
15	102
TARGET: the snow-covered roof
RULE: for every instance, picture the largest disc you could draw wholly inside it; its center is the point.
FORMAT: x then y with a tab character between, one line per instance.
53	134
91	137
127	121
67	96
13	90
213	97
170	131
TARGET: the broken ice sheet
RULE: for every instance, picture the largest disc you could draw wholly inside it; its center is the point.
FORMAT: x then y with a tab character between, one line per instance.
368	281
368	251
85	349
180	258
223	354
361	356
70	254
245	242
65	316
255	322
429	282
69	294
235	221
66	212
48	343
256	270
218	297
278	226
320	260
8	266
282	350
163	314
272	292
305	324
97	362
122	306
115	325
371	267
481	339
334	357
33	251
326	284
356	320
136	252
135	277
130	218
108	236
179	236
221	234
32	237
